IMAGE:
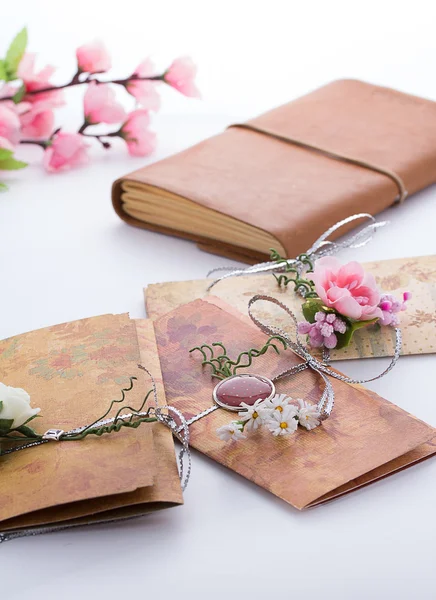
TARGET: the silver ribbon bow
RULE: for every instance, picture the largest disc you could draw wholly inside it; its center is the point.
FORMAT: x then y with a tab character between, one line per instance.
326	403
322	247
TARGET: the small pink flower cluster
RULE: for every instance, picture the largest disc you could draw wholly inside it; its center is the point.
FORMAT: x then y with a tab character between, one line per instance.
27	113
322	332
390	308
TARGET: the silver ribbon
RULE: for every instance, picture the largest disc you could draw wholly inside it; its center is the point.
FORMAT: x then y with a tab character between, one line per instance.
322	247
166	415
326	403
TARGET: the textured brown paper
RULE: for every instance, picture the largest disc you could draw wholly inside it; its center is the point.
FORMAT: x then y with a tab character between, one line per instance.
72	372
418	322
366	437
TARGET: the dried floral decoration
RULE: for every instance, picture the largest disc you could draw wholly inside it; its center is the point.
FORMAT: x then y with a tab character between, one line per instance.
339	299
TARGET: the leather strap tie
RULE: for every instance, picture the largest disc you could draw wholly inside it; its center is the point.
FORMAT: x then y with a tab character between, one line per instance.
334	155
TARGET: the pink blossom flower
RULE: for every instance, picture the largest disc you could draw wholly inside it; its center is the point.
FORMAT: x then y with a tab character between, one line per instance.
66	150
6	144
100	105
390	306
37	122
9	124
7	91
347	289
37	81
139	139
322	332
145	92
181	75
93	58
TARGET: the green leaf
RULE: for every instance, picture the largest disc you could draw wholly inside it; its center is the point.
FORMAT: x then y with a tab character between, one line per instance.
27	431
311	307
3	187
1	405
344	339
19	94
5	153
5	426
3	71
11	164
16	52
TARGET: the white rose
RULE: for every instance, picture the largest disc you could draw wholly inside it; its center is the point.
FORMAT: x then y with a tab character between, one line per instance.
15	404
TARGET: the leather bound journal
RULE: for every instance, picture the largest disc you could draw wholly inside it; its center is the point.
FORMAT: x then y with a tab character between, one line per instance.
281	179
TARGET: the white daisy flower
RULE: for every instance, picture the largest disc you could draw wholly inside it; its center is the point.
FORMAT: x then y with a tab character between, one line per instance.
283	422
232	431
252	416
278	403
308	415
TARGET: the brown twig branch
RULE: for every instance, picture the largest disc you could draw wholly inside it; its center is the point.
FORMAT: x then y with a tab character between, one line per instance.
76	81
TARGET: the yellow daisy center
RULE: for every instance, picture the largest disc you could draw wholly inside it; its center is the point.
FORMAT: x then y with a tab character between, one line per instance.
283	425
255	415
279	408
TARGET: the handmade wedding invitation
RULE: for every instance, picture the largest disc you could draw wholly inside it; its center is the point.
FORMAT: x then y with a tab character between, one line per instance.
72	372
418	323
365	438
279	180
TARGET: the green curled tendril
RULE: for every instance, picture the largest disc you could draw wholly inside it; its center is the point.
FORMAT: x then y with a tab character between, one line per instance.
303	286
126	416
223	366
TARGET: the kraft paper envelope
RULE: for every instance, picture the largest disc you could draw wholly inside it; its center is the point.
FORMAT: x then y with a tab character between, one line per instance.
366	438
72	372
418	322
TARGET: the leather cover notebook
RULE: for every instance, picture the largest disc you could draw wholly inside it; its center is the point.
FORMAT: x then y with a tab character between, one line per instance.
418	322
245	191
366	438
72	372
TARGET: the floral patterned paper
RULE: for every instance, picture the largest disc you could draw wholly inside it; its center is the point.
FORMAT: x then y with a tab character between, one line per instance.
73	371
418	322
366	437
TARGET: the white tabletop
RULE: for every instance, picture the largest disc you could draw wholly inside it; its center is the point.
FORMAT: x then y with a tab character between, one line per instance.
66	255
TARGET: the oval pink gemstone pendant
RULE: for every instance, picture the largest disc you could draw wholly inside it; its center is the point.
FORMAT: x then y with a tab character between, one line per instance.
230	392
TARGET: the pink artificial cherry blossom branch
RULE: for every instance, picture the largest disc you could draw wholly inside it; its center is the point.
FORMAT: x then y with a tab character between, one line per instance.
27	110
75	81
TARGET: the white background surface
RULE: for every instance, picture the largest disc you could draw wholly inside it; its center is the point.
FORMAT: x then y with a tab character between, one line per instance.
64	255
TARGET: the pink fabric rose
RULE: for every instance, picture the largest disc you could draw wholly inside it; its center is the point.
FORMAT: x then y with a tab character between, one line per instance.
9	125
145	92
93	58
139	139
100	105
347	288
37	81
37	122
181	75
66	150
